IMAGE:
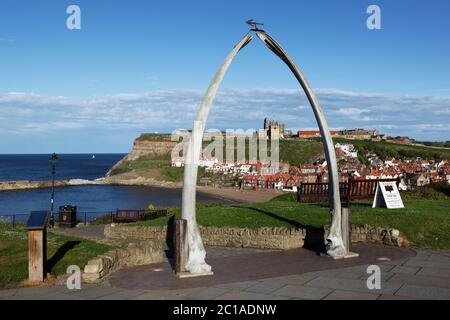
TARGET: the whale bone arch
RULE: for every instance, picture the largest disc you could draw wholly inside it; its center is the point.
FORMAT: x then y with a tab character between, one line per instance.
194	260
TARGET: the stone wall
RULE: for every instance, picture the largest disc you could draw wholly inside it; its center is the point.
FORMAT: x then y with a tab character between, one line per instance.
268	238
264	238
133	255
386	236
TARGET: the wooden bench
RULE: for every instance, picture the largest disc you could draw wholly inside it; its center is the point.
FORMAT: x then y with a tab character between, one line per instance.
354	189
364	188
127	216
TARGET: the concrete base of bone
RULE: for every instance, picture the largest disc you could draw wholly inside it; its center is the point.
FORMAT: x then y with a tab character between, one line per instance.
196	253
186	274
345	256
335	247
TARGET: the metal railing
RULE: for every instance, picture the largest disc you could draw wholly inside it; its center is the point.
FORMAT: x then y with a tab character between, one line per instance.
84	217
13	218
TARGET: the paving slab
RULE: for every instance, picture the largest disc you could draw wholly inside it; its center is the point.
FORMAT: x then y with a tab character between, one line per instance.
424	292
122	295
420	280
405	270
164	295
423	254
237	285
395	262
394	297
352	285
91	232
293	279
96	292
419	262
347	273
265	287
435	272
439	258
302	292
33	291
7	293
58	296
387	267
207	293
244	295
385	276
45	296
350	295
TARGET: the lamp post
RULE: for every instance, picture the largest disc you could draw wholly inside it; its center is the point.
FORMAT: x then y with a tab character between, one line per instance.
53	159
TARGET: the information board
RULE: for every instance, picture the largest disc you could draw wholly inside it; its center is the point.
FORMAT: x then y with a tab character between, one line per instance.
387	196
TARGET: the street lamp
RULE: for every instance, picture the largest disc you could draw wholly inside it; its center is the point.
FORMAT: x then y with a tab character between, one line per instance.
53	159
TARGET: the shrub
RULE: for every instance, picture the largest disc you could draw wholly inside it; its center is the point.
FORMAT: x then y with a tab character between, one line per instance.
434	191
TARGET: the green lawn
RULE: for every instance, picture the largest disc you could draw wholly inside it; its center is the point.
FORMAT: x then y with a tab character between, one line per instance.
62	251
426	223
399	151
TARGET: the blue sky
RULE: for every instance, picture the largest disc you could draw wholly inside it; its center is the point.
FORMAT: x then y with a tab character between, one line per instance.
140	66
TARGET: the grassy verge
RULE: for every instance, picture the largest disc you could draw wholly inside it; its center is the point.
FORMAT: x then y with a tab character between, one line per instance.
426	223
62	251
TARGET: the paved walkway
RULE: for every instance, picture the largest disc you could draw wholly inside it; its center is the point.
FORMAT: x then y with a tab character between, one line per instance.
269	275
92	232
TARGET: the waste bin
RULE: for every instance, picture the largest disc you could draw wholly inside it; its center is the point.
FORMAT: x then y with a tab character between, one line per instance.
67	216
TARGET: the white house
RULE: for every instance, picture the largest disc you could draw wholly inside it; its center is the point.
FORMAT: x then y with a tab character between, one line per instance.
207	162
348	149
278	185
178	162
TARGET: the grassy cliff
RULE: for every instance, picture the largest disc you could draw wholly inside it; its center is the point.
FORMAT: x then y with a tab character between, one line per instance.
150	160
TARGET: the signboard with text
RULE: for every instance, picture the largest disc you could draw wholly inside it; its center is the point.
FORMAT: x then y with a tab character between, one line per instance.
387	196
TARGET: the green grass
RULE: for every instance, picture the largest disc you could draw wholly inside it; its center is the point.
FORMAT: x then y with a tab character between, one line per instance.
399	151
163	166
154	137
173	173
443	144
426	223
299	152
62	251
147	162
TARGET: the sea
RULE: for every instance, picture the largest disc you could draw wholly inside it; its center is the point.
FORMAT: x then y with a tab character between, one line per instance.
90	199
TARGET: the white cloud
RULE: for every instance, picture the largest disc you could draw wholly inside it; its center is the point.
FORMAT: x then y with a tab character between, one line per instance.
420	117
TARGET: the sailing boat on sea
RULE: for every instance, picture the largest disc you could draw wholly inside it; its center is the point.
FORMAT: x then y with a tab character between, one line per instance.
93	156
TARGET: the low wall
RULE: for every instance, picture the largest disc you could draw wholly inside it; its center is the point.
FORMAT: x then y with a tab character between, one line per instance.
133	255
263	238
